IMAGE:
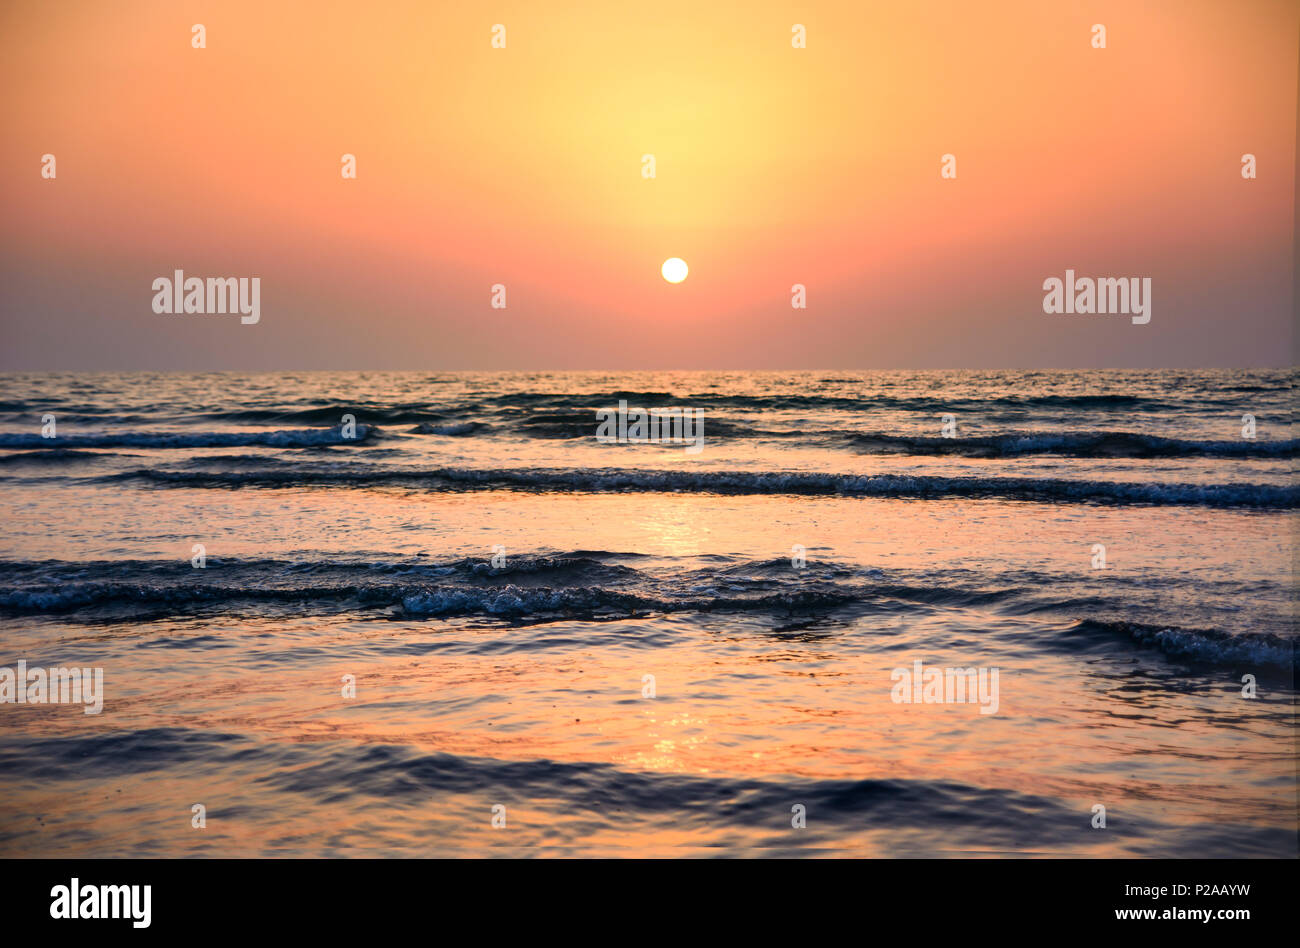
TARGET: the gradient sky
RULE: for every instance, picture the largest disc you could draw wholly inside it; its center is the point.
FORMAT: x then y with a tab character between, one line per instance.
522	166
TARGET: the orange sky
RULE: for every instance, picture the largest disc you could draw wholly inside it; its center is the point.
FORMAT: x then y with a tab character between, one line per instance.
522	166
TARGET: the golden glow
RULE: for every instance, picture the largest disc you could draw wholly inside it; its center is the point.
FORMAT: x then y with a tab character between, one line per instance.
775	165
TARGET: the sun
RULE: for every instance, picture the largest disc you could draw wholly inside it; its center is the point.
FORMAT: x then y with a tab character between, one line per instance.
674	269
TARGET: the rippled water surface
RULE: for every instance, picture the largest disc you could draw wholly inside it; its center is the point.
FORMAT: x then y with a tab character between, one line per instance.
348	524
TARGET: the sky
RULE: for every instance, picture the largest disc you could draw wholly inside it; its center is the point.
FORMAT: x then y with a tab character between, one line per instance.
523	166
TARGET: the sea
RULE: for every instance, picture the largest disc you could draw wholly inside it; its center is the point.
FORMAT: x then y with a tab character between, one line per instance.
434	614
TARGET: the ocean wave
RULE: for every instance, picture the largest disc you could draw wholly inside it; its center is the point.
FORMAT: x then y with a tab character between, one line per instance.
1087	444
541	588
417	599
73	596
54	456
524	585
447	409
395	414
387	784
58	586
459	430
866	401
631	596
584	424
532	602
356	565
308	438
1206	646
1045	490
396	774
